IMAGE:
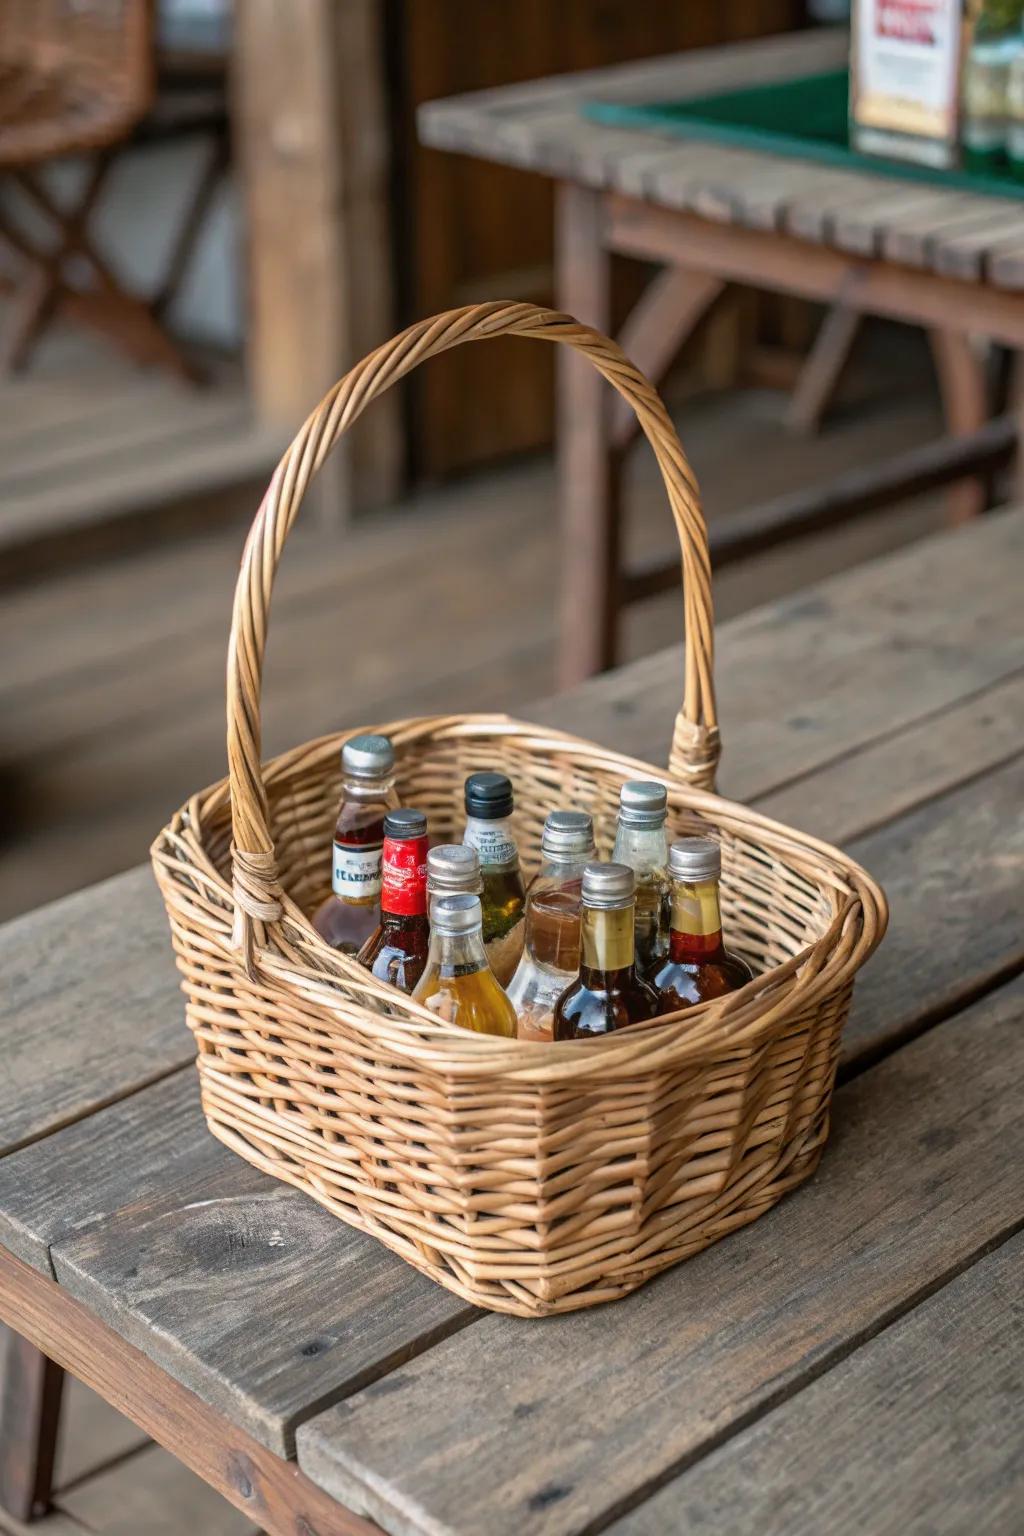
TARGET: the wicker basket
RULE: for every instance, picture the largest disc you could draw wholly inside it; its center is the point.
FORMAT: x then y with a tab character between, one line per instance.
528	1177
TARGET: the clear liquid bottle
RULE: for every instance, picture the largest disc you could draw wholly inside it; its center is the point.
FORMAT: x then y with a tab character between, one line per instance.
698	966
608	993
350	914
551	958
489	830
397	951
458	984
642	843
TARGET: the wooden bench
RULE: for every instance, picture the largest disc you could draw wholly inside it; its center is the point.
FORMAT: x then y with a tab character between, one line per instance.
850	1362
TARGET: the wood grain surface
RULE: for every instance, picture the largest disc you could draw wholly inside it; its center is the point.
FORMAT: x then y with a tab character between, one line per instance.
914	1434
548	1428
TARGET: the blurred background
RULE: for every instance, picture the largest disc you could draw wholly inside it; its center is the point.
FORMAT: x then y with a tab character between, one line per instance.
206	216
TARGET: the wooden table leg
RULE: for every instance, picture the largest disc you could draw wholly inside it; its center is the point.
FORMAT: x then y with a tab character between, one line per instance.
820	374
588	478
963	383
30	1395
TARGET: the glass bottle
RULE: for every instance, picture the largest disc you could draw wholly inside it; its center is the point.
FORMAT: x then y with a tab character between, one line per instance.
351	913
608	993
489	831
551	959
698	965
453	868
641	842
397	951
458	984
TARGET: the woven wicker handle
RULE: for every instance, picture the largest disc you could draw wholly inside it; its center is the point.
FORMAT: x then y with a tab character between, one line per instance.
695	746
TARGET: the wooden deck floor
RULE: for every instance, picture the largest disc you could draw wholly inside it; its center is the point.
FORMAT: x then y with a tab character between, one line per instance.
111	693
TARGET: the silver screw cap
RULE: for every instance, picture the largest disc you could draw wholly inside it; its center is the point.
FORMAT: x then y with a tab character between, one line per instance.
694	859
455	914
567	832
643	803
608	885
368	757
453	867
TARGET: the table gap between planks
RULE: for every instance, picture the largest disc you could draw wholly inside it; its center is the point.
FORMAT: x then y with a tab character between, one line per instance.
244	1327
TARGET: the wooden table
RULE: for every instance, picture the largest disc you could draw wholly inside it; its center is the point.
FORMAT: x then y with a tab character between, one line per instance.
851	1362
711	216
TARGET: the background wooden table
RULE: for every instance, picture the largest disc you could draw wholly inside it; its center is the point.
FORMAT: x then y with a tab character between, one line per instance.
852	1361
711	216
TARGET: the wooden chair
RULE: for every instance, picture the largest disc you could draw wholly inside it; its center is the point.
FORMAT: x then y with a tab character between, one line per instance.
76	77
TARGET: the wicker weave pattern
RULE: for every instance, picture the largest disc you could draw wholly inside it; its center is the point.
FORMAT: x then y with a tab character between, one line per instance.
530	1178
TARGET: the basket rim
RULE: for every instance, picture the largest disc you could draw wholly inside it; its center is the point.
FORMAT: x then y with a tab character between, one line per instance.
407	1029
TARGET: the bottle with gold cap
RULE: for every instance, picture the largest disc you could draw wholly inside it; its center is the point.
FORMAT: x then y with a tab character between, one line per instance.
698	966
608	994
458	983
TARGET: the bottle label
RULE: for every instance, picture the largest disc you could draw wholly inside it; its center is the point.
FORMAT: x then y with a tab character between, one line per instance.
356	874
491	841
404	876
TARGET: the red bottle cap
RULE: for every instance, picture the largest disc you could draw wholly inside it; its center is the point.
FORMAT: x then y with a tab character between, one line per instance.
404	874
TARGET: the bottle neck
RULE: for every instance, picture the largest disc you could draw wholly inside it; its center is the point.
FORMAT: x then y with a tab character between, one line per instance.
606	941
457	954
696	933
493	841
642	848
404	879
369	791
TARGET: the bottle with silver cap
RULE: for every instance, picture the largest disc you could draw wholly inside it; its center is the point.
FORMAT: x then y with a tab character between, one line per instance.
698	966
641	842
489	830
453	869
458	984
608	994
551	959
348	917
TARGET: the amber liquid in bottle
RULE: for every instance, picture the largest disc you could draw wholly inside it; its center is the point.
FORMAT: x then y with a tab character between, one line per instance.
348	917
458	983
608	994
698	966
397	951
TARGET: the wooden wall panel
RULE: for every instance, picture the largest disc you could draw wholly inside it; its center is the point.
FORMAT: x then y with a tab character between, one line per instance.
469	230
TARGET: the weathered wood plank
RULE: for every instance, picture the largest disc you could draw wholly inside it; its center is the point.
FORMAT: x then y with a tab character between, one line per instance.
921	1429
807	680
272	1491
244	1290
551	1427
72	1047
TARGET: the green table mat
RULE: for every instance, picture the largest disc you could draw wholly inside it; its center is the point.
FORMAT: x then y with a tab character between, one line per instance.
805	118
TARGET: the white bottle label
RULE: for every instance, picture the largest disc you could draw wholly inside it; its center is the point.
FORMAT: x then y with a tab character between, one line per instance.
491	841
356	874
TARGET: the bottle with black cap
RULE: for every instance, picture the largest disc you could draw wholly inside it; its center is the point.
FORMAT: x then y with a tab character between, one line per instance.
608	994
489	808
458	984
351	913
397	952
641	842
551	959
698	965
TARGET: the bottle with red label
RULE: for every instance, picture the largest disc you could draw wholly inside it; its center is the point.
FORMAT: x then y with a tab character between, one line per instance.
352	912
397	952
